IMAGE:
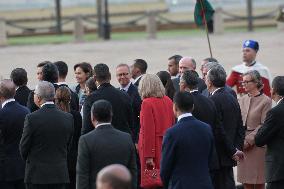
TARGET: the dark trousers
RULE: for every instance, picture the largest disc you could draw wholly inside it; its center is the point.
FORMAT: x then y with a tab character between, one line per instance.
223	178
275	185
46	186
18	184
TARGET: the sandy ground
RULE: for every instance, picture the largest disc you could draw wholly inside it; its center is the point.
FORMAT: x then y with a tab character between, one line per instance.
226	48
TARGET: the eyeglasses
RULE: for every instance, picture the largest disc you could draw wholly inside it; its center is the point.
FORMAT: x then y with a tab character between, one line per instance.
122	74
246	82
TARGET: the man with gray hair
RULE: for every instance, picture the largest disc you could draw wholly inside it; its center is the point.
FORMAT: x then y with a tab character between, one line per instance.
12	116
229	111
46	136
114	176
208	66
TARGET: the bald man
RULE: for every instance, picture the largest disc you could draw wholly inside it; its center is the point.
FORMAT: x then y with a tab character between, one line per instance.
188	63
114	176
12	116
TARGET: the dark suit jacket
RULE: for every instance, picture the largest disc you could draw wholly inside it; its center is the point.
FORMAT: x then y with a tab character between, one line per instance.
101	147
22	94
230	116
272	134
121	108
201	84
46	137
227	88
12	117
136	107
186	152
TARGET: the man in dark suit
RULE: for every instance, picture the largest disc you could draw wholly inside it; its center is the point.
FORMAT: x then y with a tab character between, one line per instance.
187	149
272	134
231	119
173	67
46	136
138	69
103	146
188	63
205	110
62	73
208	66
20	79
120	101
12	116
123	77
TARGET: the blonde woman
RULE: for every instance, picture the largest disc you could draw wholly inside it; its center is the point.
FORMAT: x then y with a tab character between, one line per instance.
156	116
254	107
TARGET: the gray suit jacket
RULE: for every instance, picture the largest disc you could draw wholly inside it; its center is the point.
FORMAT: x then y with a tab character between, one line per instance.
46	136
101	147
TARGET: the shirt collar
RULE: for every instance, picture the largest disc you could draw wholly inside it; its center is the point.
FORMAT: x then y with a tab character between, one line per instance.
279	101
126	87
101	124
61	83
7	101
46	103
184	115
194	90
137	78
215	90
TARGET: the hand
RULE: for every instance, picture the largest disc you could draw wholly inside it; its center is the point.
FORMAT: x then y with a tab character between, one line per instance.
150	163
238	156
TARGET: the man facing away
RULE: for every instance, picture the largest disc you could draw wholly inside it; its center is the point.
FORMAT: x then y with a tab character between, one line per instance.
187	149
46	136
272	134
114	176
12	116
103	146
250	49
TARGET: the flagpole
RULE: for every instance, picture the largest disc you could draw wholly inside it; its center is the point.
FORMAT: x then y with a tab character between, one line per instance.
206	27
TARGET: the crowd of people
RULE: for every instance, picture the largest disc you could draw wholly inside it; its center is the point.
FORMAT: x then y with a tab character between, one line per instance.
172	130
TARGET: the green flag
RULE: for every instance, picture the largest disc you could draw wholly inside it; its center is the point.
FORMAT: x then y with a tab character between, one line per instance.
198	12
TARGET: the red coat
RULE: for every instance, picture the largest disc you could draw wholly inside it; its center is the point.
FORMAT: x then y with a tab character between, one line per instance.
156	116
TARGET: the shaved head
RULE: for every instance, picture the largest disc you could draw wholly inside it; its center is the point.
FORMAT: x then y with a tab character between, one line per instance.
186	63
7	89
114	176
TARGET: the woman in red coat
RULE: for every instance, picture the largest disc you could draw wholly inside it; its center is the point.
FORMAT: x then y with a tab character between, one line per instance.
156	116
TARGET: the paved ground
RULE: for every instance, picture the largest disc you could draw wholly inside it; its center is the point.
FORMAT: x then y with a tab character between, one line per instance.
226	48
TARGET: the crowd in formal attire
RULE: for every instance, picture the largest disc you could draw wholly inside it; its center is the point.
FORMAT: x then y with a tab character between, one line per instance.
172	130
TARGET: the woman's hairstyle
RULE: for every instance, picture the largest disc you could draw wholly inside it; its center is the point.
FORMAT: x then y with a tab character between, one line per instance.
165	77
91	84
86	67
63	98
255	77
151	86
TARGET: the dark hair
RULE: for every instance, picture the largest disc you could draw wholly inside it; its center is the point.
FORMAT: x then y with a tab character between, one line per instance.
19	76
176	58
101	72
141	65
86	67
116	182
62	68
211	59
91	84
217	76
190	78
50	73
102	111
165	77
278	85
41	64
183	101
